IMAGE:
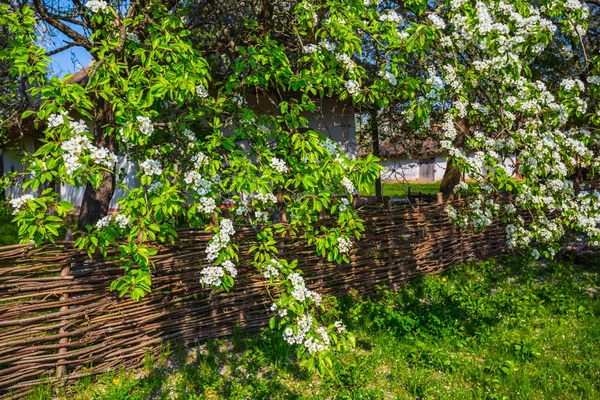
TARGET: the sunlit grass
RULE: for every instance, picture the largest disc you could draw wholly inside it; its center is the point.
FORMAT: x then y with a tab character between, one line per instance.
402	189
9	231
493	330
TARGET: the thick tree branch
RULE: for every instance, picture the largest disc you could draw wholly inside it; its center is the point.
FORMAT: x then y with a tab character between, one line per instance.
54	21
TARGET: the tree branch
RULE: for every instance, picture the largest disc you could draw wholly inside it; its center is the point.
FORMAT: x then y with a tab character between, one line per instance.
62	48
54	21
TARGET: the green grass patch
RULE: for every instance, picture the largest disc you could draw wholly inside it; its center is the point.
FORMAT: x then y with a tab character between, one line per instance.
9	231
501	329
402	189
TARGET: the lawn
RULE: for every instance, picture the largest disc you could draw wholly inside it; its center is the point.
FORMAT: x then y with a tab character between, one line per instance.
501	329
9	231
401	189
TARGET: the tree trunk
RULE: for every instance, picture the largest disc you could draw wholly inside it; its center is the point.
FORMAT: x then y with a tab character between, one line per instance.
450	180
452	174
96	201
2	193
376	153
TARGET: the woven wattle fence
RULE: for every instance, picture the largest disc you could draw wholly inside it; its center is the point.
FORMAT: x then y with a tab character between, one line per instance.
58	321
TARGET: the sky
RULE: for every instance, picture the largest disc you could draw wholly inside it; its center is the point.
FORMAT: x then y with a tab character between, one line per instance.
74	59
69	61
65	62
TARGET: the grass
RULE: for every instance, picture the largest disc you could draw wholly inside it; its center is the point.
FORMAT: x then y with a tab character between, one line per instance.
9	231
501	329
401	189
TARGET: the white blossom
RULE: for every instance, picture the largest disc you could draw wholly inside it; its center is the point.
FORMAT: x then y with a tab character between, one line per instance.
352	87
207	205
388	76
345	204
339	325
261	216
265	198
461	186
346	61
391	16
103	222
97	5
230	268
437	21
155	187
310	48
331	146
18	202
146	126
201	91
279	165
122	220
151	167
348	185
344	245
329	46
212	276
56	120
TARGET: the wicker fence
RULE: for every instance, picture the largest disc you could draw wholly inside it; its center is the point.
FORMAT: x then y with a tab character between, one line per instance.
59	322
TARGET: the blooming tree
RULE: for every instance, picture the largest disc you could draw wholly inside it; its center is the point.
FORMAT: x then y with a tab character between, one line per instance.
174	91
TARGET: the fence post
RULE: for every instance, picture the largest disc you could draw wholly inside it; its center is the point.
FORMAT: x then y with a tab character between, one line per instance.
440	197
61	369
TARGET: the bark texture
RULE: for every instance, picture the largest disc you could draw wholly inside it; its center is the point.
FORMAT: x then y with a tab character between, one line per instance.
452	175
450	180
376	151
96	201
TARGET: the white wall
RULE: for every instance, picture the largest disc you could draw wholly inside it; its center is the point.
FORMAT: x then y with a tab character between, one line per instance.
409	170
400	171
336	120
11	162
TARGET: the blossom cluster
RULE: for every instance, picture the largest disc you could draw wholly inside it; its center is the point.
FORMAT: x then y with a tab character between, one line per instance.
146	127
344	245
315	342
17	203
201	91
271	269
299	290
388	76
348	185
221	240
279	165
352	87
207	205
79	145
345	204
97	5
56	120
331	147
122	220
391	16
151	167
103	222
346	61
265	198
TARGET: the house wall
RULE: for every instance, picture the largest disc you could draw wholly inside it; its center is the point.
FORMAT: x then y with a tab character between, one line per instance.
411	170
400	171
336	120
126	176
11	162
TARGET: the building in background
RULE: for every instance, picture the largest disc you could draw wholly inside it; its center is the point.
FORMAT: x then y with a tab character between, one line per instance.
335	119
